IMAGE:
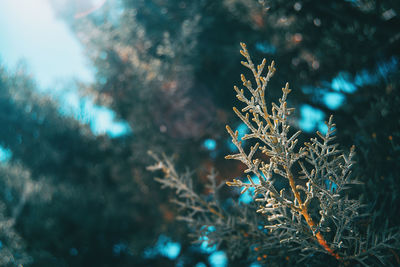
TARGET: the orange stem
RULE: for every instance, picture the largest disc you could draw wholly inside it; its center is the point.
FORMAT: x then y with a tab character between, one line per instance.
304	211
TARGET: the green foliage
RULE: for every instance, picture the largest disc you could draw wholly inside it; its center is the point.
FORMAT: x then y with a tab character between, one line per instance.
318	172
13	248
203	212
162	66
326	174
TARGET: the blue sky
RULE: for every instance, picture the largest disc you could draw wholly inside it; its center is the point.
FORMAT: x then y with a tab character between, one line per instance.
29	31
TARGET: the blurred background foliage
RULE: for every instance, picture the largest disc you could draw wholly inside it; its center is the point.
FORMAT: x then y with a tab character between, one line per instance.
163	71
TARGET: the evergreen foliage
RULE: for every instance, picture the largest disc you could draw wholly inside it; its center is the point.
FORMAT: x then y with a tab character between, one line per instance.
331	225
71	198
